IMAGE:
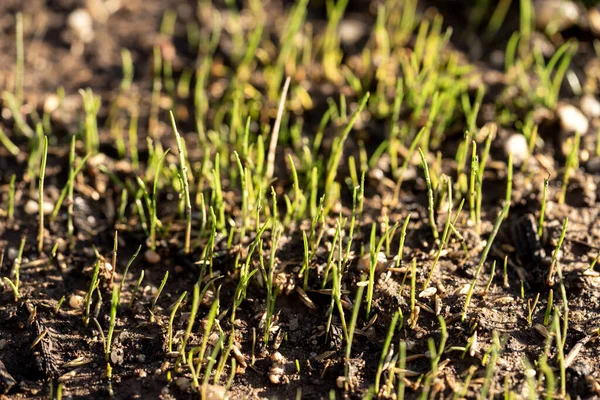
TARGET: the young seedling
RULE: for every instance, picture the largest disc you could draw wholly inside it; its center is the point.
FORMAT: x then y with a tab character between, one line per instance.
549	307
114	304
191	320
446	234
509	183
540	230
136	288
572	164
531	309
409	154
88	298
154	201
414	311
268	277
486	250
430	203
186	187
174	309
492	273
473	178
11	197
375	249
158	292
402	240
436	356
41	195
480	172
131	260
491	365
386	347
16	270
550	278
401	370
67	189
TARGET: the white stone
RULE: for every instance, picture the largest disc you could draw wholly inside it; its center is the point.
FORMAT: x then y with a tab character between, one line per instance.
80	21
517	145
51	103
32	207
572	119
590	106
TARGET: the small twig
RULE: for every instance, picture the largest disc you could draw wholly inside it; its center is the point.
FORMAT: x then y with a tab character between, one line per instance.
275	133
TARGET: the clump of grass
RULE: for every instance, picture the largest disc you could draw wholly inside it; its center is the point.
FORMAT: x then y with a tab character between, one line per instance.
337	148
548	307
158	292
386	347
154	201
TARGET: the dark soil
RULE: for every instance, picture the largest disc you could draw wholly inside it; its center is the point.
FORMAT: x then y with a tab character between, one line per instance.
140	357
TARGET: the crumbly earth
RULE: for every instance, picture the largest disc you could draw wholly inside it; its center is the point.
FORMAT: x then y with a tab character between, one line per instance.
42	347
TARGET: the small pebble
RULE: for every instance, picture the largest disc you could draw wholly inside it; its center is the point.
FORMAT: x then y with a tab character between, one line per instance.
31	207
51	103
80	21
590	106
364	263
12	253
593	165
572	119
215	392
276	374
430	291
151	256
108	267
517	145
183	383
276	357
76	301
350	31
